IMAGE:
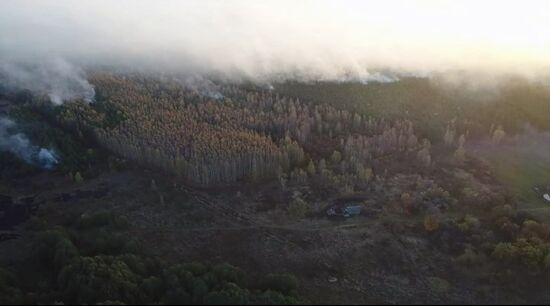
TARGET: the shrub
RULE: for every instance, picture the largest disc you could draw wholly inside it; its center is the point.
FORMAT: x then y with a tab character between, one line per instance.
531	255
78	178
438	285
98	219
229	273
65	253
503	211
407	202
547	262
177	296
96	279
297	208
470	224
152	287
431	222
470	258
506	252
283	283
274	298
507	227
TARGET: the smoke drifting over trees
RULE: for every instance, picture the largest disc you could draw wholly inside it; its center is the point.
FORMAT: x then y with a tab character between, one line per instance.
58	79
20	145
271	41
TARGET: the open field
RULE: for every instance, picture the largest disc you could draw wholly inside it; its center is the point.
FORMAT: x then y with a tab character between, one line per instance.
523	166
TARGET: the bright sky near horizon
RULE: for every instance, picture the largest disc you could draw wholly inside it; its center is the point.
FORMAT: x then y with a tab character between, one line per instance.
316	39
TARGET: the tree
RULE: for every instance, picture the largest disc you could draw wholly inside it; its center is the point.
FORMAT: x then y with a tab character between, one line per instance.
498	135
530	254
283	283
231	294
91	280
431	222
460	154
547	262
78	178
336	157
461	140
322	166
470	258
152	287
412	142
424	157
297	208
65	253
449	137
364	174
505	252
311	168
282	181
406	201
470	224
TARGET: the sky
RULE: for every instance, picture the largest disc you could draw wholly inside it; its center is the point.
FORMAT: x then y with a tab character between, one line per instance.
266	40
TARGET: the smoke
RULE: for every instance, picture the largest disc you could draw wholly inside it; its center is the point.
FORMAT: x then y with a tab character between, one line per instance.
271	41
200	85
57	78
20	145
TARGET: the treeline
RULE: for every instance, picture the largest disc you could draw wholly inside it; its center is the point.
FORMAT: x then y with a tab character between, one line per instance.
37	120
247	135
511	103
92	261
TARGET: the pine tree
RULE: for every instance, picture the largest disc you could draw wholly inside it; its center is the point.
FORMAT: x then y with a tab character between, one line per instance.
336	157
498	135
311	168
78	178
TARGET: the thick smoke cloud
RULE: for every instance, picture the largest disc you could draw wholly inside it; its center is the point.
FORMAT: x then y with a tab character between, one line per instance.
20	145
267	41
58	79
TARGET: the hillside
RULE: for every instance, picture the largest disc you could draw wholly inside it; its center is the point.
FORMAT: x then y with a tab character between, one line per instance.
173	189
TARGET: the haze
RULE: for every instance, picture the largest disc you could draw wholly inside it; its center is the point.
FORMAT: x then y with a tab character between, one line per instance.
265	40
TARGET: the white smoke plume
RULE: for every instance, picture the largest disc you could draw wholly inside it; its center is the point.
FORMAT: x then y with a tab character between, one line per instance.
57	78
270	41
200	85
19	144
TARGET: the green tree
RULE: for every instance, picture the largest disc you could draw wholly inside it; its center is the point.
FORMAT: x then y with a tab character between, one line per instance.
151	288
91	280
431	222
231	294
310	168
498	135
322	166
65	253
547	262
297	208
505	252
78	178
530	254
336	157
283	283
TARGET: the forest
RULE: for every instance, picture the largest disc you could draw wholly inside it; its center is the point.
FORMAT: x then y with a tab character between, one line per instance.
244	136
163	174
334	152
